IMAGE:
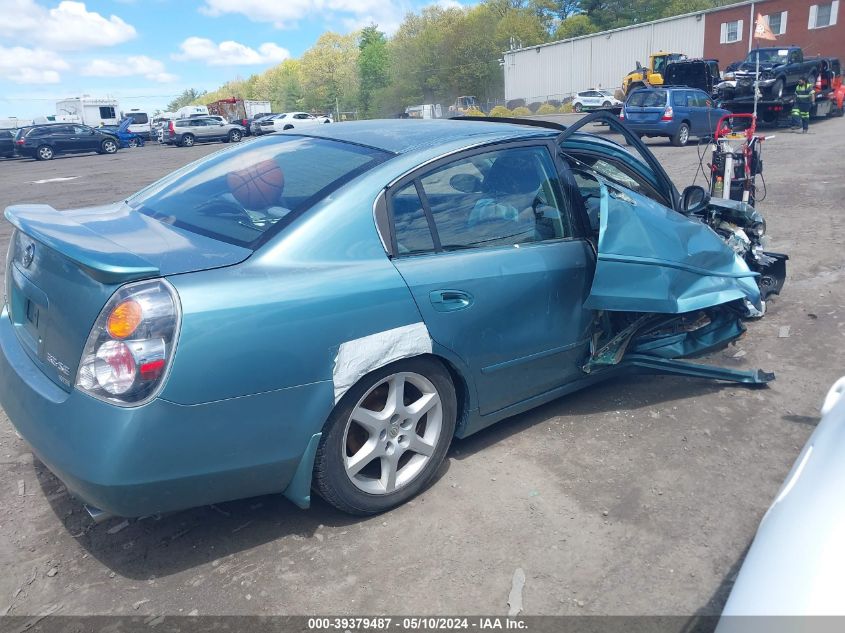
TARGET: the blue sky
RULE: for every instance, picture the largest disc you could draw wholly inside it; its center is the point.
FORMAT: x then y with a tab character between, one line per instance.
144	52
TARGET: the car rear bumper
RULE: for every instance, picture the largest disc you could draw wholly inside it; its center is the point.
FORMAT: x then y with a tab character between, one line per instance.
161	456
654	128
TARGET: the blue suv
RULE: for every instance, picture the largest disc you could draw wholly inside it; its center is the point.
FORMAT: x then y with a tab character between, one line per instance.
677	113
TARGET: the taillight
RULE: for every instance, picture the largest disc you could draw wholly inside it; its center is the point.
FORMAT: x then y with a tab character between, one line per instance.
171	128
667	114
19	141
622	113
130	347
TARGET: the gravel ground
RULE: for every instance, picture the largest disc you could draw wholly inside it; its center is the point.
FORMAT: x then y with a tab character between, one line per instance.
639	496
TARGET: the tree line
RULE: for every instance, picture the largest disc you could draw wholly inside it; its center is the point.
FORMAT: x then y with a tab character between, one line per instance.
434	56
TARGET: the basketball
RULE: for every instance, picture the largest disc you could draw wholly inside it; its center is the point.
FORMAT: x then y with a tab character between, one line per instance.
259	186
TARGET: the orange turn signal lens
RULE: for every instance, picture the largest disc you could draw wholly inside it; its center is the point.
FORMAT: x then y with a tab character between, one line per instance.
125	319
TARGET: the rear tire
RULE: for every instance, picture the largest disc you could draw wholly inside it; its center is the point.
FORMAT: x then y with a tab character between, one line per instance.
45	152
235	136
377	450
681	137
578	107
606	104
287	127
187	140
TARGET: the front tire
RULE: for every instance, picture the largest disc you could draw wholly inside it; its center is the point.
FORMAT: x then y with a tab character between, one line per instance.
387	437
777	88
108	146
681	137
45	152
133	143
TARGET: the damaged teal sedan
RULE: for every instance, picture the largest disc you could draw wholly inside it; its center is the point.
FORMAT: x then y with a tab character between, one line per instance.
325	310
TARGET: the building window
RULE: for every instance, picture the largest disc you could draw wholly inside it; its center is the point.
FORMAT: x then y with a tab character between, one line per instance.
731	32
822	15
777	22
107	112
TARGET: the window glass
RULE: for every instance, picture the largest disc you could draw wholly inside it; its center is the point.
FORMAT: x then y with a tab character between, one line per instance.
648	99
239	194
679	98
499	198
107	112
80	130
409	222
732	31
823	15
138	118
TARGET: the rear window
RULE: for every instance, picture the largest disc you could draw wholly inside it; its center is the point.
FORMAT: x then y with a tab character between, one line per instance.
648	99
139	118
244	195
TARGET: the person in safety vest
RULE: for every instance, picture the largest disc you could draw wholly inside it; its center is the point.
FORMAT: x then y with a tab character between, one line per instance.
801	108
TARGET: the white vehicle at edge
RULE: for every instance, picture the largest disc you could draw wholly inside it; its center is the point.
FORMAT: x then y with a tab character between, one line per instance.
294	120
589	99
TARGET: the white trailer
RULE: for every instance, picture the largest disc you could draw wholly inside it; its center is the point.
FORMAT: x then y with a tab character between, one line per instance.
254	108
88	110
193	110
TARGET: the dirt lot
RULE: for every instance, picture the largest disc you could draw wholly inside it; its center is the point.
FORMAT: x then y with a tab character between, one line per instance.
637	497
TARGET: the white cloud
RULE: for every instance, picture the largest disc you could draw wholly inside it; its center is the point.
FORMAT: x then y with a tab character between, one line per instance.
132	66
286	14
30	66
229	53
67	27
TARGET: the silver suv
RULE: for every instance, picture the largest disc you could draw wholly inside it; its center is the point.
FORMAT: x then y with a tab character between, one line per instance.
186	132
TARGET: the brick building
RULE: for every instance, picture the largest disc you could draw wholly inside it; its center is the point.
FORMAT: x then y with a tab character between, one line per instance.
810	24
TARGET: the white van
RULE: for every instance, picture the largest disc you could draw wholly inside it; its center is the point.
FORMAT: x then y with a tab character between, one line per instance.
141	123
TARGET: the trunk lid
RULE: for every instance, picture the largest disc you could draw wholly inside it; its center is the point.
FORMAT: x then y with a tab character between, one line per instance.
646	106
63	267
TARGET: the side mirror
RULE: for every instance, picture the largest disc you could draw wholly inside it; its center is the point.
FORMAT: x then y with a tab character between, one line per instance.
694	199
465	183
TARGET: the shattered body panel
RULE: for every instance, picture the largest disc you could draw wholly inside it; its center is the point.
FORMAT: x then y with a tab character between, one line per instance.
652	259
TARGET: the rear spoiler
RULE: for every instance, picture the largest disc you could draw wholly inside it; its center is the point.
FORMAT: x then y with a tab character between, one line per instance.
97	255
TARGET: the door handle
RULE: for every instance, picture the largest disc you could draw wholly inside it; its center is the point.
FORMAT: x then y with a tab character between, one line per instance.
450	300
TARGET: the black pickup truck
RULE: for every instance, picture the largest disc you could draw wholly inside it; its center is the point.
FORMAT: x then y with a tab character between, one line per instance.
780	69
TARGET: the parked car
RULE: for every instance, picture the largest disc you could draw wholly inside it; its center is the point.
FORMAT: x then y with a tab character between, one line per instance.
676	113
297	120
263	125
125	136
7	143
186	132
319	311
592	99
43	142
794	566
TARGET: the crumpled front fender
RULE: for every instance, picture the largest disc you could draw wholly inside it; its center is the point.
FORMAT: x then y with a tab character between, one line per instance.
653	259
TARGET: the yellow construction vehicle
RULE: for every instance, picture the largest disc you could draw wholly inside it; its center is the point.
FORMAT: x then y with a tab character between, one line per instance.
653	74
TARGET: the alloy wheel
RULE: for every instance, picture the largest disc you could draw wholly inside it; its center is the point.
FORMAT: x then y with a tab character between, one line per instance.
392	433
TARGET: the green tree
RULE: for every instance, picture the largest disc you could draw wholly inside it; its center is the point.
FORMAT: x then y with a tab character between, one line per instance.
575	26
329	73
373	67
188	96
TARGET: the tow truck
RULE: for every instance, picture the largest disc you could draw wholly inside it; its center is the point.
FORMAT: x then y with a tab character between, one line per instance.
829	99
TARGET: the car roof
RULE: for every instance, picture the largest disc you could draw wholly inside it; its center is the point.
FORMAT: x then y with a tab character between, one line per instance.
401	136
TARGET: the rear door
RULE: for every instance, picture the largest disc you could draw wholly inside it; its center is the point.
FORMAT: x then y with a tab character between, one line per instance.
487	245
61	137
